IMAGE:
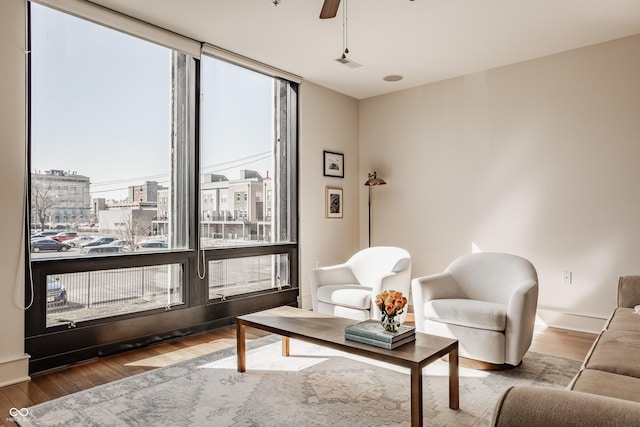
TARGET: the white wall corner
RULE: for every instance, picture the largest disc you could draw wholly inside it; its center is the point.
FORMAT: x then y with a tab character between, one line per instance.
304	302
14	364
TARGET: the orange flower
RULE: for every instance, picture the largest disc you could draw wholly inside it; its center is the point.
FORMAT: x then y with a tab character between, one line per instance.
381	298
391	302
390	309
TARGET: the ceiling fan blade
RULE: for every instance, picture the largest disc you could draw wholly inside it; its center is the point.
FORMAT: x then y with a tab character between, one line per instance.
329	9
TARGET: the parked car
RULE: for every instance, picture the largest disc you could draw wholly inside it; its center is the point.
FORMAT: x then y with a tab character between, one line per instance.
122	244
56	292
65	235
41	234
103	249
98	241
47	244
79	240
151	244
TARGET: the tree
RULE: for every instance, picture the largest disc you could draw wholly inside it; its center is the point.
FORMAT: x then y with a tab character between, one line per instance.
43	200
134	229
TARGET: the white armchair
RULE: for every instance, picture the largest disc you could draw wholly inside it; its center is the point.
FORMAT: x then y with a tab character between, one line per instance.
487	301
347	290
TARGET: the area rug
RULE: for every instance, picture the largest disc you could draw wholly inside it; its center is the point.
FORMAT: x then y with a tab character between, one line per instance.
315	386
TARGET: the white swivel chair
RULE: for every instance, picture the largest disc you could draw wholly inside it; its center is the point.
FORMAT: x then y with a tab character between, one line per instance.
487	301
348	290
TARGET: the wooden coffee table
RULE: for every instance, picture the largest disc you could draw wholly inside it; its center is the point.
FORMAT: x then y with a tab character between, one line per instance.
328	331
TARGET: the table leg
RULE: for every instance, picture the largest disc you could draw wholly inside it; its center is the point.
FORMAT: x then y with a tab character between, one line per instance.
286	348
454	380
241	348
416	396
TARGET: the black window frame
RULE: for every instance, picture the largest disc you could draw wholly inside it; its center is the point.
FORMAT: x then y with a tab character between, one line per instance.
68	342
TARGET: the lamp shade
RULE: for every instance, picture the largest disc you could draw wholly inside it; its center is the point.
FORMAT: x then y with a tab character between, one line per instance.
374	180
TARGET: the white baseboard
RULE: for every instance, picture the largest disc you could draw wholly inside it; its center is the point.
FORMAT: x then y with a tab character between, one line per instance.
580	322
14	370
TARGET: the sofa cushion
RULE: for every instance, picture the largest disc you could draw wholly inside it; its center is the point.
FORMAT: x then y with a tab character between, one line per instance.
466	312
629	291
531	406
607	384
624	319
615	352
354	296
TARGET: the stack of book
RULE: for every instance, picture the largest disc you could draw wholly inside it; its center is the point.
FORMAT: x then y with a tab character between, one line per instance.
371	332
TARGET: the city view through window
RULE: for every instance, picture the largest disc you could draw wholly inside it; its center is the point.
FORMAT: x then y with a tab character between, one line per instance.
100	137
101	143
110	167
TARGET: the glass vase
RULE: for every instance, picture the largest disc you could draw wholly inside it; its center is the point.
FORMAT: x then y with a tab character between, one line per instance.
390	323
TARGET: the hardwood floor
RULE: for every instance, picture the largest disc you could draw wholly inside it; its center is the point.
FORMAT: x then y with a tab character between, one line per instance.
54	384
562	342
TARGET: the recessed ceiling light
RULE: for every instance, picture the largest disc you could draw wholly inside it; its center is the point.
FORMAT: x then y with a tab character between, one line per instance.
392	78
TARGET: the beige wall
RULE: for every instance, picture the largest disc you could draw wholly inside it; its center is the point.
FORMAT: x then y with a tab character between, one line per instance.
328	121
13	361
538	159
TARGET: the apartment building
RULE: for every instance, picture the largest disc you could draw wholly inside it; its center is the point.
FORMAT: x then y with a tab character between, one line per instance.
59	197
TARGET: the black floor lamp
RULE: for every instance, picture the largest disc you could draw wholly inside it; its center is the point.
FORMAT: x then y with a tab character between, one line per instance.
372	181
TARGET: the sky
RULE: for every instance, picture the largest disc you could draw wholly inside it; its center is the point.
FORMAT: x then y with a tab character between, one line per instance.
100	107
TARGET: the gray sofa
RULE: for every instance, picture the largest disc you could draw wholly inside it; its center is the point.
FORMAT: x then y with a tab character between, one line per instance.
606	390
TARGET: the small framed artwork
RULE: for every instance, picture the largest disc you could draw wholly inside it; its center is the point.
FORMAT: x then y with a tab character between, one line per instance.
333	164
333	202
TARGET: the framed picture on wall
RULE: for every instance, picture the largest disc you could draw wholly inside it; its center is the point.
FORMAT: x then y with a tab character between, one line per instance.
333	164
333	202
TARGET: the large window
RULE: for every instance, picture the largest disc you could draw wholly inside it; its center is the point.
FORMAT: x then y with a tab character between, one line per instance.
245	135
149	220
106	174
241	144
103	145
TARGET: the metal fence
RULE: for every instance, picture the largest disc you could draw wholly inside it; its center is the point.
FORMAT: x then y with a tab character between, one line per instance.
247	274
103	293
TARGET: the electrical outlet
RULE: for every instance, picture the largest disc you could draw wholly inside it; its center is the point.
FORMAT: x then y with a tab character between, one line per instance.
566	277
